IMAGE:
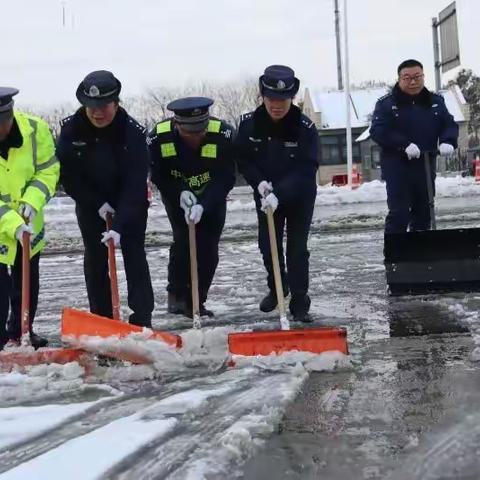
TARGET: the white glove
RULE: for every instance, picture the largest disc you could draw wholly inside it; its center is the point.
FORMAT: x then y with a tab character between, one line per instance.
111	234
412	151
27	212
264	188
22	228
270	200
104	209
446	149
187	201
196	213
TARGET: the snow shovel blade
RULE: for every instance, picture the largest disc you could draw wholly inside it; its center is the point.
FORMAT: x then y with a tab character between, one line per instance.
21	358
314	340
433	261
76	323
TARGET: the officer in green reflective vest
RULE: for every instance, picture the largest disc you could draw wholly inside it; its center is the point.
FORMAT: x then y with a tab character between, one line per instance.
29	174
192	166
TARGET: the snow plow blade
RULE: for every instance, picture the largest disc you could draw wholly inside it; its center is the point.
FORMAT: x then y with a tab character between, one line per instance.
433	261
314	340
22	358
77	324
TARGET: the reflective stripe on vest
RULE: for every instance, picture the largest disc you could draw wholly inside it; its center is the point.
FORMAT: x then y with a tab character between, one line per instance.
168	150
33	137
4	210
209	150
214	126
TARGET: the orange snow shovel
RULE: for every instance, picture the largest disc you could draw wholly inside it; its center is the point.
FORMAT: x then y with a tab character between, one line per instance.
315	340
24	355
77	323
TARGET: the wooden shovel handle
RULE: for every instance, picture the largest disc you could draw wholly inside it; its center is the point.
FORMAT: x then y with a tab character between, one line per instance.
25	309
112	270
276	264
192	240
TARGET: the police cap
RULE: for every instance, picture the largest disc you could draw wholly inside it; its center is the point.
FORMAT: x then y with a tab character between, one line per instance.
6	102
279	81
191	112
98	88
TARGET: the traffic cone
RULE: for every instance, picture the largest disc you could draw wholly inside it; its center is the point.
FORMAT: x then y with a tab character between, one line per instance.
355	177
477	169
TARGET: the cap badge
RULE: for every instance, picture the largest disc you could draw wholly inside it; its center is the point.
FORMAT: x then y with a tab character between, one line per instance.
281	85
93	91
196	111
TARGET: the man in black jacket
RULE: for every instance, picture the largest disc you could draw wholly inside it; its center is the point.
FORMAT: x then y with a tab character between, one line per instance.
408	123
192	166
104	167
277	154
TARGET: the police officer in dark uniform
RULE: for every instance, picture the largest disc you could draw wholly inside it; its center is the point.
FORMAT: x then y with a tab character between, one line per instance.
277	154
104	167
192	166
408	123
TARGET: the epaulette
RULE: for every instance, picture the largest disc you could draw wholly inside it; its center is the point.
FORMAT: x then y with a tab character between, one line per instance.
246	116
137	125
384	97
65	120
306	122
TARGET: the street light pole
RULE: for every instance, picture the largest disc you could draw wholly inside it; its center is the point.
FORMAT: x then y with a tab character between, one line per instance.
347	96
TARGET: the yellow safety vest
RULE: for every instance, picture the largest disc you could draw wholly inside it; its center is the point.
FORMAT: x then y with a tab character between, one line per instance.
196	183
30	175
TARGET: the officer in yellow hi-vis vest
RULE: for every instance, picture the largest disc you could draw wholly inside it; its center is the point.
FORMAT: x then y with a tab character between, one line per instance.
29	174
192	166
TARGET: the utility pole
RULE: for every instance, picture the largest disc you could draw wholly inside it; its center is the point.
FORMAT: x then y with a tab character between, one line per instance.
436	54
339	47
63	3
347	96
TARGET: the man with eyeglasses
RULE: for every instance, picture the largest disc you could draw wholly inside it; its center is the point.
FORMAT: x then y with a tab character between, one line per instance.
408	123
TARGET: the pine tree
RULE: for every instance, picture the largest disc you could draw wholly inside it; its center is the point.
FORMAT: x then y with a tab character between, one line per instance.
469	84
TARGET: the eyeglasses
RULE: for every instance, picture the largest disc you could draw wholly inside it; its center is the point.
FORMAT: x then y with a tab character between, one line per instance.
415	78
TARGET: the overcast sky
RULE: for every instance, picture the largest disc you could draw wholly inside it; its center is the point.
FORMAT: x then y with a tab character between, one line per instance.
149	43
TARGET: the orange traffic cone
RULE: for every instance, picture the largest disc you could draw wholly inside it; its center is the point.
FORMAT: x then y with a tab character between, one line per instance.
477	169
355	177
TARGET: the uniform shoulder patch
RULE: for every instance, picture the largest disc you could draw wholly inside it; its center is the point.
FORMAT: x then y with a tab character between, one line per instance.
226	130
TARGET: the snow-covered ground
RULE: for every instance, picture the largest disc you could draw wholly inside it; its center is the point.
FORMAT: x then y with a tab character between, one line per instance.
190	415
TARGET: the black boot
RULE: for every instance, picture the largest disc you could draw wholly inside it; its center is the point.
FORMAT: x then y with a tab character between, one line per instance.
269	302
175	304
299	307
37	341
140	320
204	312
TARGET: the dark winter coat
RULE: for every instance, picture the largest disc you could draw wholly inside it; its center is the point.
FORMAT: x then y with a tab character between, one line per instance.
108	164
400	119
283	152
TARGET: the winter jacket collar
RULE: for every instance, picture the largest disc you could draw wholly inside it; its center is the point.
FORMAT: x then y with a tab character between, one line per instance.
84	130
13	140
286	129
423	98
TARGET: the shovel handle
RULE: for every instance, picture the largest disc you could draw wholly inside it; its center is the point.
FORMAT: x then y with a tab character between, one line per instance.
112	271
192	241
25	310
276	268
431	201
